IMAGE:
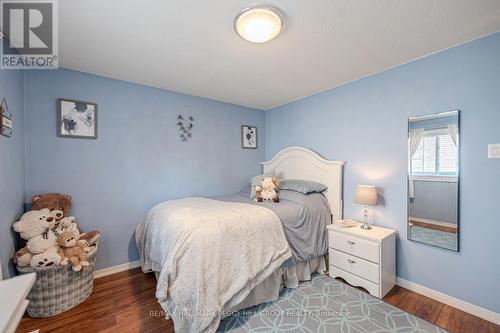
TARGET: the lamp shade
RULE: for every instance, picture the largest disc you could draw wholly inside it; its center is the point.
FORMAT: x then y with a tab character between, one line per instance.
366	195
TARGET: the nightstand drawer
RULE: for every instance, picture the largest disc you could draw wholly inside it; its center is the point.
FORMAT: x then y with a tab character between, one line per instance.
372	288
355	246
363	268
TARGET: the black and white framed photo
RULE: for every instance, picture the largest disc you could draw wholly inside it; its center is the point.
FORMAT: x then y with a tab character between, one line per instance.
248	137
76	119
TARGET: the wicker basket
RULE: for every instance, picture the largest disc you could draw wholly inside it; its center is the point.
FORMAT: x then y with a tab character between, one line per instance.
59	288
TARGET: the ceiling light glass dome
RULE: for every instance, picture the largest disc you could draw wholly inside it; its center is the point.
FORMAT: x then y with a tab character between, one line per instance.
258	24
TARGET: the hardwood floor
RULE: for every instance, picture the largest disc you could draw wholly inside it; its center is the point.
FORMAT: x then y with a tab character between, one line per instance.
452	230
125	302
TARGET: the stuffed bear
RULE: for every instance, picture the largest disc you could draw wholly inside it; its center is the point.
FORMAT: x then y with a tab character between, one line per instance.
52	201
46	259
87	239
41	249
34	223
269	189
57	214
36	227
73	251
42	243
66	224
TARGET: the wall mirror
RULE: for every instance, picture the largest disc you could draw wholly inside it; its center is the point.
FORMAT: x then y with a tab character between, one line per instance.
433	179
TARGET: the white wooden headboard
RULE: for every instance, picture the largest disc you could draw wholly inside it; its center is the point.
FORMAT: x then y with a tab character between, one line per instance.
302	163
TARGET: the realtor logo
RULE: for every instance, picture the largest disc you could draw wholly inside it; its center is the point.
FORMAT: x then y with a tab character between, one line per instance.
30	34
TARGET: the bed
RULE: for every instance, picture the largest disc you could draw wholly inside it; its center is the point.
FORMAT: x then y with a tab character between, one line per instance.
214	256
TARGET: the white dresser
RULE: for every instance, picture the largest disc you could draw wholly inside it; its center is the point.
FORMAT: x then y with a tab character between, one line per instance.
363	258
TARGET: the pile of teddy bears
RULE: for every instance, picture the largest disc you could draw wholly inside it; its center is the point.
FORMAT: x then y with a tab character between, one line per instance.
52	238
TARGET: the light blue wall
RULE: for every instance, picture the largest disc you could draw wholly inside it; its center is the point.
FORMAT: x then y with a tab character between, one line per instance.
138	159
435	201
11	166
365	124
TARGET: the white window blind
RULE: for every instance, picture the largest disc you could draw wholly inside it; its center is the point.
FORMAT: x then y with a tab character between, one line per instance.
436	155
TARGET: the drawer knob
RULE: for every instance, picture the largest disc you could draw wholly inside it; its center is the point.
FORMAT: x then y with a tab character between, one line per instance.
351	261
350	242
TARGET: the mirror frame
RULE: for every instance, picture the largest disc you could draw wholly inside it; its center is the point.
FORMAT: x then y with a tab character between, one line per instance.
458	177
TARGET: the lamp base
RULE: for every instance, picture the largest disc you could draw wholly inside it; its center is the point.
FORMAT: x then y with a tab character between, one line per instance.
365	226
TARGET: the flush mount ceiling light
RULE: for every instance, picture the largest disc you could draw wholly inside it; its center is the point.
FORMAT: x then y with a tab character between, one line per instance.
258	24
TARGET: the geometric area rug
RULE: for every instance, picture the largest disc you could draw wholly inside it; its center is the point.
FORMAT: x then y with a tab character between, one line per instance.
325	305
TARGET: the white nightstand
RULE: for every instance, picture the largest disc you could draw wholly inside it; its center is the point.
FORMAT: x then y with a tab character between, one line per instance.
363	258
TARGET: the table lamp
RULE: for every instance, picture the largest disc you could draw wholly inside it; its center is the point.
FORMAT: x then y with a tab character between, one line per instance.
367	196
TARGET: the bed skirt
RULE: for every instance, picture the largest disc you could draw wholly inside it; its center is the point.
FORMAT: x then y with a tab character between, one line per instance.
284	277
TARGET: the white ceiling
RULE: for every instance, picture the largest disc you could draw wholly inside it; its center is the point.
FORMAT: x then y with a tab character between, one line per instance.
189	46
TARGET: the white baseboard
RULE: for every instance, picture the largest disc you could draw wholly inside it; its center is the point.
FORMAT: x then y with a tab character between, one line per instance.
116	269
451	301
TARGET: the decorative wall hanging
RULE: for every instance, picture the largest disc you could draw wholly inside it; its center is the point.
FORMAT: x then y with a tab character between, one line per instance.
248	137
76	119
5	119
185	127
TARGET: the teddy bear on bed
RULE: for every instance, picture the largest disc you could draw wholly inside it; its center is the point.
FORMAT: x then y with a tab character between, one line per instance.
267	190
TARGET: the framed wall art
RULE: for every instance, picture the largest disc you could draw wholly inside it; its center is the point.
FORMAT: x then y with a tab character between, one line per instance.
76	119
248	137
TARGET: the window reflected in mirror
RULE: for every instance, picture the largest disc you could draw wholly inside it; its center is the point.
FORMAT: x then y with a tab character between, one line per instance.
433	179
